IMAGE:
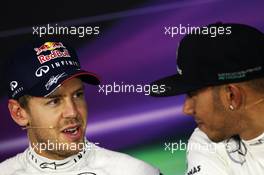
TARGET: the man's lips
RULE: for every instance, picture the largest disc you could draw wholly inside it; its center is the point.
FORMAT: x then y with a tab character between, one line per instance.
72	132
71	127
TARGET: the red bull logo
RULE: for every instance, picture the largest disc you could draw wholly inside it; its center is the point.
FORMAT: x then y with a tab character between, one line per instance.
54	54
49	46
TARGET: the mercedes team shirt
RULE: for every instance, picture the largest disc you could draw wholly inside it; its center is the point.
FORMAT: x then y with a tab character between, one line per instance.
229	157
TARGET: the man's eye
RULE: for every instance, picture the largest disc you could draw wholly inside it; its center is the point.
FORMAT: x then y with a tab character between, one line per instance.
79	94
53	101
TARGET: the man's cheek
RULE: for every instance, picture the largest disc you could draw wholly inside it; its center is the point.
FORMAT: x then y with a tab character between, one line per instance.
83	116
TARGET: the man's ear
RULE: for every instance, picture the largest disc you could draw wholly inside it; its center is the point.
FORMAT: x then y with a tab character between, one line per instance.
18	114
234	96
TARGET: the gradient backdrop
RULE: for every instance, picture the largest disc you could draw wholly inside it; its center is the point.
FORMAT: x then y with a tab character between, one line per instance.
133	49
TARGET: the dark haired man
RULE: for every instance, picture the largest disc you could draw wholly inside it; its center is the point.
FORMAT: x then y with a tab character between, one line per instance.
223	77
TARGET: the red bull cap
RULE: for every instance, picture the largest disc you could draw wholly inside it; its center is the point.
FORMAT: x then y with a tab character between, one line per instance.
39	68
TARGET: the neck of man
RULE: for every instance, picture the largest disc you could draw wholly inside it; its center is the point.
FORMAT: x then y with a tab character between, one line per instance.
253	123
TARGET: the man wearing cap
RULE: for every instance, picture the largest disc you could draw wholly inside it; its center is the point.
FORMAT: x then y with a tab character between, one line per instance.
46	97
223	78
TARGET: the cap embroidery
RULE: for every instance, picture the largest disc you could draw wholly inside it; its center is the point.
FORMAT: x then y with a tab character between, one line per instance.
237	75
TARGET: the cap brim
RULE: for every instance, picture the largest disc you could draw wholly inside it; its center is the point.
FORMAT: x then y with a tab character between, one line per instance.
40	89
85	76
173	85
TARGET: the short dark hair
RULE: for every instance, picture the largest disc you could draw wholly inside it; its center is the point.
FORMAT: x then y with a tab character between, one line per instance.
23	101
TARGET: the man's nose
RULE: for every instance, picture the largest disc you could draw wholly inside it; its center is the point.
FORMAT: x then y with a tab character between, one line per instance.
70	109
188	106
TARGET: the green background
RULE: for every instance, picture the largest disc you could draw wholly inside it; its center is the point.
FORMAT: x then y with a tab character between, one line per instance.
169	163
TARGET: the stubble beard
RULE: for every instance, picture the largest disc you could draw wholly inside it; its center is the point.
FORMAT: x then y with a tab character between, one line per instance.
227	128
61	149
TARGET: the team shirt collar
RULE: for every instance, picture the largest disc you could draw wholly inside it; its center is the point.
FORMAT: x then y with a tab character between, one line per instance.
44	164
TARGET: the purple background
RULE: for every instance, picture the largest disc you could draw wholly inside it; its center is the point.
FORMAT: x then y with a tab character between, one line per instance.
135	50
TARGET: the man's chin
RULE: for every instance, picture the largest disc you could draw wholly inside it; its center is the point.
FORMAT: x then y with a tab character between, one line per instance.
214	135
66	149
73	146
71	143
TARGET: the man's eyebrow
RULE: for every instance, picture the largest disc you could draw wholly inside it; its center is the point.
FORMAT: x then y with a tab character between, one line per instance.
82	88
54	95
